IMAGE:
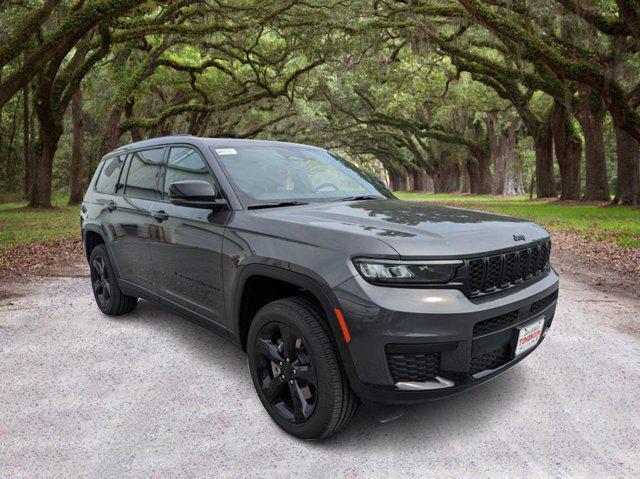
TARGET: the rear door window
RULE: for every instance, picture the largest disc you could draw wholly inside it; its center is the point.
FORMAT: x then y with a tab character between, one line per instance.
109	175
144	174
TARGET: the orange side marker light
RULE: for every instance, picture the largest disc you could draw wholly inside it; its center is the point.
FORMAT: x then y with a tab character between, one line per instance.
343	325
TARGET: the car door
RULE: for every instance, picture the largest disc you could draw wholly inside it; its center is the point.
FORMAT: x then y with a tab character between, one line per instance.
129	218
121	223
186	243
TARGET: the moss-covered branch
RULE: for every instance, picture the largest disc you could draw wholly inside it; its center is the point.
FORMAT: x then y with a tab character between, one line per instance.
607	24
563	66
62	40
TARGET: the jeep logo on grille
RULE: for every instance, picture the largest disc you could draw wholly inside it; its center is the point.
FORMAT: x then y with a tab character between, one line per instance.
518	238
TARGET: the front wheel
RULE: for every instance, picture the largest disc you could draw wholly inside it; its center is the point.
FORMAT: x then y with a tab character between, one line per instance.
296	372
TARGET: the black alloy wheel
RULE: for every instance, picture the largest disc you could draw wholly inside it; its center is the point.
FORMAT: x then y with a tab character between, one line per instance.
296	371
104	283
101	282
286	372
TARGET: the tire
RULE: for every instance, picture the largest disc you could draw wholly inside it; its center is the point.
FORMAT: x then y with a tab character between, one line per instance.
309	396
106	290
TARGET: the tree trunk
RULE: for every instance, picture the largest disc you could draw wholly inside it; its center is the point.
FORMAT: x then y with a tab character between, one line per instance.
507	174
628	182
32	137
474	177
513	165
128	113
543	145
427	183
568	147
395	179
1	130
497	152
437	184
111	133
11	163
406	179
50	131
446	179
40	195
413	181
75	170
482	173
463	181
591	117
450	175
417	180
26	139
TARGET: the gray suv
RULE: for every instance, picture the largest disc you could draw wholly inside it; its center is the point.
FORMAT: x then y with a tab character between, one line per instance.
340	293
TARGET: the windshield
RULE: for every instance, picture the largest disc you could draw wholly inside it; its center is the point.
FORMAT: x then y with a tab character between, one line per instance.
261	174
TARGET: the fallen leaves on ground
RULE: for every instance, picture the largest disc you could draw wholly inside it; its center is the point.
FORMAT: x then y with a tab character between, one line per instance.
600	257
63	257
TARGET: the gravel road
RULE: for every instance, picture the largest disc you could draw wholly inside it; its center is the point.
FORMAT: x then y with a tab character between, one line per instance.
152	395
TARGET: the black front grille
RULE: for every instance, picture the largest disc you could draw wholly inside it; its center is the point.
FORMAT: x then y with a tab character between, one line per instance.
493	273
544	302
495	324
412	367
476	275
490	360
522	271
509	269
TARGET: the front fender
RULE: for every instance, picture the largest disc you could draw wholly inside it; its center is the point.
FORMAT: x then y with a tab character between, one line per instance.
305	279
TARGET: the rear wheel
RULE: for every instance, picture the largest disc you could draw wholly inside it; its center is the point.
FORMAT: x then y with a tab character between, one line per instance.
296	372
109	298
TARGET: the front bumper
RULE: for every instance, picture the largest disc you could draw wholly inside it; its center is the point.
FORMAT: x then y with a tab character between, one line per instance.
410	345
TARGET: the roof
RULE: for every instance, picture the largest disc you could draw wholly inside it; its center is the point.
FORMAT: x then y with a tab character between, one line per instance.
204	142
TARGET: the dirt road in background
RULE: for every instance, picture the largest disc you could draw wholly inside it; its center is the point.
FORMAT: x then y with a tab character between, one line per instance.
150	394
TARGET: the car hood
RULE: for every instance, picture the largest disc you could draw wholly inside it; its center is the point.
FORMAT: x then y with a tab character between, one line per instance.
414	229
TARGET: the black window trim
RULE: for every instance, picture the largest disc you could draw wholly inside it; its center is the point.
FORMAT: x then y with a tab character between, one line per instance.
219	188
120	185
130	154
103	161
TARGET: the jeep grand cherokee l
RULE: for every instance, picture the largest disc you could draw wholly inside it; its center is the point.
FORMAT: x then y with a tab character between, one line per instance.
340	293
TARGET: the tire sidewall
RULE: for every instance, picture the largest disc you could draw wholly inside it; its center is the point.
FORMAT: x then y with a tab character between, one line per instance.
101	251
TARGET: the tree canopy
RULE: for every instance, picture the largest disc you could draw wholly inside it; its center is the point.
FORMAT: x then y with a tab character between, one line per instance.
485	96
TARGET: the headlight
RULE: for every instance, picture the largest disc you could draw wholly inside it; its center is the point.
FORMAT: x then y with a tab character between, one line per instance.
407	272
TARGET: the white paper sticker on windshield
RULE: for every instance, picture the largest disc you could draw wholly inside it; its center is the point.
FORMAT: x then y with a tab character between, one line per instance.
226	151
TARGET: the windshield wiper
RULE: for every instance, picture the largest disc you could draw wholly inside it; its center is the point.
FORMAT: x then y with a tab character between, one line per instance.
276	204
359	197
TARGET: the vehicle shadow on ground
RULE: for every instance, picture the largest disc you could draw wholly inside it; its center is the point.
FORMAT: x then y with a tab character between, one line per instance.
459	416
453	417
207	345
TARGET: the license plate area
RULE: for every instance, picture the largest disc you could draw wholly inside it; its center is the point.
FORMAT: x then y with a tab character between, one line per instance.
528	335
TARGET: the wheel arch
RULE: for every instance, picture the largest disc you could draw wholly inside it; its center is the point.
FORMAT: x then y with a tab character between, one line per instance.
260	274
93	235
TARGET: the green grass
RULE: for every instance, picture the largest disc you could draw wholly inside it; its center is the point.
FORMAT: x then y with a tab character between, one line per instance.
19	224
609	223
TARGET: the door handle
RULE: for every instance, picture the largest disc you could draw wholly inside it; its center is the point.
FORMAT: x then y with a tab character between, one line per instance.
159	216
111	206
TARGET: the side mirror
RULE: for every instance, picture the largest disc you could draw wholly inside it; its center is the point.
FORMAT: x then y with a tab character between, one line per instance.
195	194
